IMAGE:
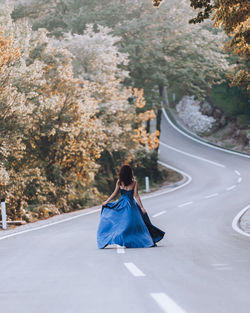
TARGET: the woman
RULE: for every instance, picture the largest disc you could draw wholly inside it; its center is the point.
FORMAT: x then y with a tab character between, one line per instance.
125	222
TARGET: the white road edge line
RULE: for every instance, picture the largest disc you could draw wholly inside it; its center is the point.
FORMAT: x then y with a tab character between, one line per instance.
134	270
192	155
50	224
166	303
144	197
156	194
183	204
231	187
158	214
238	216
201	142
212	195
235	223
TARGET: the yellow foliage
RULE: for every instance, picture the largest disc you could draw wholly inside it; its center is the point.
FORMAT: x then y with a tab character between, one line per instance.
139	98
59	126
150	140
7	51
145	116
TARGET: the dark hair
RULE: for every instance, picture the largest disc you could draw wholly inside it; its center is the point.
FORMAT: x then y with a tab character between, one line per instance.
126	175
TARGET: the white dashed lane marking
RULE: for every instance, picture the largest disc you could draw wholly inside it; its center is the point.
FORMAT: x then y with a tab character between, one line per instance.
222	266
134	270
230	188
186	203
237	172
120	250
158	214
212	195
239	180
166	303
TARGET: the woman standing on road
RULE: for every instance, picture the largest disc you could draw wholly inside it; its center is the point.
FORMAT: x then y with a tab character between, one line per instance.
125	222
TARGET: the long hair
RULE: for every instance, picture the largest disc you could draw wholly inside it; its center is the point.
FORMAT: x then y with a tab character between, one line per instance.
126	175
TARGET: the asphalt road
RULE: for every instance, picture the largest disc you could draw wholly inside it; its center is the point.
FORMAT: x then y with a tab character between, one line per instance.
201	266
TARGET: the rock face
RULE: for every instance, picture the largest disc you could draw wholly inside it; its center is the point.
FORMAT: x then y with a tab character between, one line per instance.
210	121
206	108
245	222
223	120
190	112
217	114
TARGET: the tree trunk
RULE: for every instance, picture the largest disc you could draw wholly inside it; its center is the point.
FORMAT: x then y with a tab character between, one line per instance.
159	110
158	119
164	96
148	126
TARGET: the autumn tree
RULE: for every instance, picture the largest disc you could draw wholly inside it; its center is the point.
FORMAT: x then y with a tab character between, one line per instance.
64	120
98	59
144	32
14	112
54	157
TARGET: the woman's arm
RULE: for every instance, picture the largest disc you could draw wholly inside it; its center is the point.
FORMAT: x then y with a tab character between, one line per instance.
113	194
138	199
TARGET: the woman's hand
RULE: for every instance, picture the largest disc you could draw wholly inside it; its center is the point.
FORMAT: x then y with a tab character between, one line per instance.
143	211
104	203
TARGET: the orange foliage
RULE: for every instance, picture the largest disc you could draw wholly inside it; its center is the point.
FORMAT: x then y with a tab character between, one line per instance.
140	135
140	100
150	140
7	51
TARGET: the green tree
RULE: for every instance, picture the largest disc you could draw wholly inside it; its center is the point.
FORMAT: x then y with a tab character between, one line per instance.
233	17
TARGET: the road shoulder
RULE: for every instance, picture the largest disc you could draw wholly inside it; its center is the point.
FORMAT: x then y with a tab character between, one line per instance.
86	211
244	222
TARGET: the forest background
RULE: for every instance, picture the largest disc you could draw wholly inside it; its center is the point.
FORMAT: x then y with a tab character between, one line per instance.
81	83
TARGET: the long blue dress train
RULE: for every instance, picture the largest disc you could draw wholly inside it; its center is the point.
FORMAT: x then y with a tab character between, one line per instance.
123	223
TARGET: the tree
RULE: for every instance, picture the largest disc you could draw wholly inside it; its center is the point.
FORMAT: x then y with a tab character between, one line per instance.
97	58
49	125
164	52
56	124
233	16
144	32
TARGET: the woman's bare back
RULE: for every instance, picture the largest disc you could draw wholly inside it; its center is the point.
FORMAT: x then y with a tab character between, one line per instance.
129	187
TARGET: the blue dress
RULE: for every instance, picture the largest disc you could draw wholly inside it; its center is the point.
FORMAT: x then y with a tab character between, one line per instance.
123	223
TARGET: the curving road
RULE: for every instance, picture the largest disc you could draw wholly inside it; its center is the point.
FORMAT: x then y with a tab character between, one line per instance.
201	266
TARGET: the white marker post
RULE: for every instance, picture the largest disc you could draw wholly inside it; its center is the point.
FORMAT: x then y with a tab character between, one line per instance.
173	97
147	183
4	226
